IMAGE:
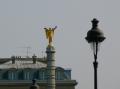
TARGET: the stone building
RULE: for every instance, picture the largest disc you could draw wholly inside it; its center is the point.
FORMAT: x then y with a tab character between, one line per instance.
18	72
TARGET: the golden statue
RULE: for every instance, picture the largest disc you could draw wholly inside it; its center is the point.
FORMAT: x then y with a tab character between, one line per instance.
50	34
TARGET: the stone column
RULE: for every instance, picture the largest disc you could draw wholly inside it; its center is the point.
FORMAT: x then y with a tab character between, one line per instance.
50	67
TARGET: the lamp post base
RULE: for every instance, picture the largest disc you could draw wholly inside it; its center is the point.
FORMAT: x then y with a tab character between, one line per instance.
95	64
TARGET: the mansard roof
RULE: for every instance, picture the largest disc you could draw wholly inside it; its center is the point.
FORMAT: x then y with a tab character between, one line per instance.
21	63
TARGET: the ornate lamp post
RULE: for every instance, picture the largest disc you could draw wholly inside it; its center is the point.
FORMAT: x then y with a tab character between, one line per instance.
95	36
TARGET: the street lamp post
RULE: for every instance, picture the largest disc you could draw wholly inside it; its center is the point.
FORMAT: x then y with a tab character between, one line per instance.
95	36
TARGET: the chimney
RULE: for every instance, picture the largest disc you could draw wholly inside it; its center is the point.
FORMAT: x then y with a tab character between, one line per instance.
34	57
13	59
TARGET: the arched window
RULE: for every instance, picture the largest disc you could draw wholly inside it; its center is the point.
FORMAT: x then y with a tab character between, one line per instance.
35	75
20	75
0	74
5	75
27	75
42	75
12	75
58	75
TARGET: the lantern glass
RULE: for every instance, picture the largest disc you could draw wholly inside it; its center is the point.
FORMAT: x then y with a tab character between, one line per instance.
95	46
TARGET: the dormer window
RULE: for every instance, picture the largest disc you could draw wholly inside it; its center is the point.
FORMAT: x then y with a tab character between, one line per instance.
67	74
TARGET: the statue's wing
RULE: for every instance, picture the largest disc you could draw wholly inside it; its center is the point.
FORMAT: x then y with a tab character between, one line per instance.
46	31
54	29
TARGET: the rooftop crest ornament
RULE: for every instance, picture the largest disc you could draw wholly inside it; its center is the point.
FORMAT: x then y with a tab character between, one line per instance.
49	34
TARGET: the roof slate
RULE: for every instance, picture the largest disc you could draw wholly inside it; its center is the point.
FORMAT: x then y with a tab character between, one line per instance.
22	63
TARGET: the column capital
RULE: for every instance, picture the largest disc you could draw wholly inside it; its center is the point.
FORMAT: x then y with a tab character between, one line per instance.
50	49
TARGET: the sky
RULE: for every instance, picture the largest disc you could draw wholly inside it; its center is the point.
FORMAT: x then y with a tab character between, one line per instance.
22	23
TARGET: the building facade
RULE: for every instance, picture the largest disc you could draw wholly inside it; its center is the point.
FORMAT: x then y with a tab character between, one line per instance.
17	73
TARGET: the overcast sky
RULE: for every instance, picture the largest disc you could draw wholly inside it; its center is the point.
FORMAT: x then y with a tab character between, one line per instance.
22	23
